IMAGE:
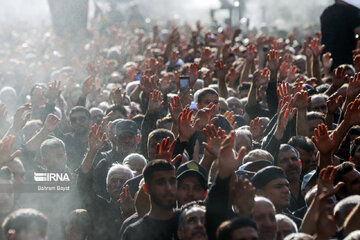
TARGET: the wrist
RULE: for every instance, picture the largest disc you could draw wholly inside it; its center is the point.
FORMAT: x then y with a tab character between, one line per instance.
278	134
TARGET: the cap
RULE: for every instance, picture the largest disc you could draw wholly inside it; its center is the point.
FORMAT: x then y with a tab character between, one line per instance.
126	126
192	167
266	175
255	166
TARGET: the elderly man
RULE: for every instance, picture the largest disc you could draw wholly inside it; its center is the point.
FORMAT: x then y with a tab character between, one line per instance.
192	222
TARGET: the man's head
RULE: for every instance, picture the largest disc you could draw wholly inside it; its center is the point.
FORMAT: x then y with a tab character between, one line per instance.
263	213
271	183
118	112
192	222
235	105
344	207
286	226
155	137
243	138
160	183
25	224
207	96
192	182
80	120
7	191
53	154
136	162
258	155
97	115
78	225
289	161
238	228
126	138
347	173
306	149
313	120
117	175
318	103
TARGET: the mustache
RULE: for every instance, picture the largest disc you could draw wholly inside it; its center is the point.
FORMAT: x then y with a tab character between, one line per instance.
202	231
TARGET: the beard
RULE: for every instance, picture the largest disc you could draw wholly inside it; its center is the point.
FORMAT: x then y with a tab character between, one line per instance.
163	203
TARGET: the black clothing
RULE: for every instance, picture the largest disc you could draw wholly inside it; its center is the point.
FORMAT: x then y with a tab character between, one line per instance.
149	228
75	150
130	220
338	23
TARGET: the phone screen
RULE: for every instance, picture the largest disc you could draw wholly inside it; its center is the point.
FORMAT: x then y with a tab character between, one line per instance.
184	84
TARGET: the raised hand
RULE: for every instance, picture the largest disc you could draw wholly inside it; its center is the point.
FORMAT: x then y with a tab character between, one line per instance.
256	128
204	115
261	77
251	53
95	141
273	60
206	55
354	87
228	163
327	60
231	76
230	117
315	47
193	73
6	146
165	150
326	181
214	139
286	113
352	113
208	78
54	90
155	101
323	142
148	84
3	114
88	86
357	63
220	69
333	102
284	69
175	107
291	76
283	89
51	122
118	97
186	129
19	118
301	100
339	77
126	202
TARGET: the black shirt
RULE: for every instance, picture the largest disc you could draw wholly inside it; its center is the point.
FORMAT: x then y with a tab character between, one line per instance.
149	228
338	23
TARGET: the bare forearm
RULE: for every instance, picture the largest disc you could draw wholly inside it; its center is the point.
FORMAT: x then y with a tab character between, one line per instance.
223	92
34	143
245	73
252	101
316	69
302	128
88	161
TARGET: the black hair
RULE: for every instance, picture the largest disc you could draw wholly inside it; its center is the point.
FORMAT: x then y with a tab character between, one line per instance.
80	109
342	169
119	108
302	142
225	230
25	219
159	134
156	166
206	91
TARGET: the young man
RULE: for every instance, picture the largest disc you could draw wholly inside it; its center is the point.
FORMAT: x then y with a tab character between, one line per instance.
192	183
161	221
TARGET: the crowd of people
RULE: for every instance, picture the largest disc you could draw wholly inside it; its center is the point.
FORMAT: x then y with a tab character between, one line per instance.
184	132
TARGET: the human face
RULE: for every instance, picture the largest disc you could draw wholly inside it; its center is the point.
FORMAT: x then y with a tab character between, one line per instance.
318	104
312	124
6	196
278	192
162	189
290	163
284	228
308	160
264	215
136	165
235	105
96	116
38	97
194	228
244	233
80	123
352	182
55	159
126	143
356	158
207	99
31	234
190	189
242	140
116	182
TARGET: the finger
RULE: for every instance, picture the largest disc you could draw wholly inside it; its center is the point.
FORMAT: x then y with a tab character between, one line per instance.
176	160
172	147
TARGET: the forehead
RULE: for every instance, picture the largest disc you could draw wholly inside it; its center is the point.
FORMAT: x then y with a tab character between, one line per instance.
55	150
195	212
233	101
163	174
78	114
351	175
189	180
119	172
287	154
278	181
209	98
262	207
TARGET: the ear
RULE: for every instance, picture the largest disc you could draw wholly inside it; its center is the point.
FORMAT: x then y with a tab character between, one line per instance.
145	188
11	235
